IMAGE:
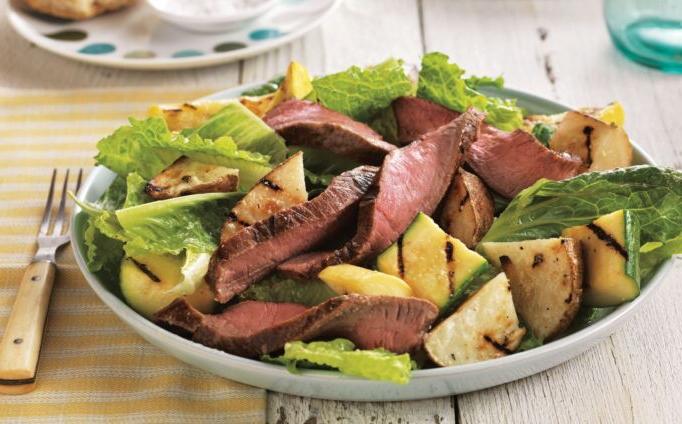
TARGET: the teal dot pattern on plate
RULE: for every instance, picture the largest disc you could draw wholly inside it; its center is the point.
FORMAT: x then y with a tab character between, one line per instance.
68	35
265	34
229	46
98	48
188	53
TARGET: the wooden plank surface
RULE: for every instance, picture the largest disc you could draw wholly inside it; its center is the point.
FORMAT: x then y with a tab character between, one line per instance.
555	49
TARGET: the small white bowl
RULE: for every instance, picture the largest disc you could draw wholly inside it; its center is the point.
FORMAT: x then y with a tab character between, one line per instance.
214	23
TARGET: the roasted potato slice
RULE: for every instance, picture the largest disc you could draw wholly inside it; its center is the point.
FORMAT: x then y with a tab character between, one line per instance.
599	145
468	209
546	280
186	176
188	115
483	327
280	189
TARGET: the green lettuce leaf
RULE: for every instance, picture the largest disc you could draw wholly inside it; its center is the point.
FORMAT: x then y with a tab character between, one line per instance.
193	270
443	82
384	123
653	254
361	93
247	130
135	191
276	288
475	82
267	88
376	364
102	253
147	147
543	133
653	194
171	226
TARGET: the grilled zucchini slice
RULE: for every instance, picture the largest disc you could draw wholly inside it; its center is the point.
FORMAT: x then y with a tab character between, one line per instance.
484	327
468	209
188	115
546	280
599	145
280	189
186	176
147	282
346	278
436	265
610	249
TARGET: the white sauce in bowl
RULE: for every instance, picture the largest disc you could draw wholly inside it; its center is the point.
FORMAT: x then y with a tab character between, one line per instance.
208	8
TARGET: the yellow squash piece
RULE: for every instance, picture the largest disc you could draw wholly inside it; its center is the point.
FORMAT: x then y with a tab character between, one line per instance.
297	84
188	115
347	279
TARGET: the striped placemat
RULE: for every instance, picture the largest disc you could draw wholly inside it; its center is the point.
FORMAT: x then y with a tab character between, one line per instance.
93	368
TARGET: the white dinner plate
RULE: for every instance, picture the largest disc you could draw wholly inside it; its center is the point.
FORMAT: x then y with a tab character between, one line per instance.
136	38
426	383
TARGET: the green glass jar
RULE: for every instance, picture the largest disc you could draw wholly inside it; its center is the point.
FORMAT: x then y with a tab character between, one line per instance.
647	31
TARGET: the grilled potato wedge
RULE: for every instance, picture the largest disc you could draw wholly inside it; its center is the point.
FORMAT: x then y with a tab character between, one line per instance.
346	278
468	209
484	327
546	280
186	176
599	145
188	115
280	189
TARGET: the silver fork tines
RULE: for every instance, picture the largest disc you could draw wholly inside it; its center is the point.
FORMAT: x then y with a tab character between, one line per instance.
50	241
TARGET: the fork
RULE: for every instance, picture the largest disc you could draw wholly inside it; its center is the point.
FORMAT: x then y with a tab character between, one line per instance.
20	346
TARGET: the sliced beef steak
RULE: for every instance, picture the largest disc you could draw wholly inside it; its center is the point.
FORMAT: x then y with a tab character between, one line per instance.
254	251
510	162
255	328
412	179
415	117
309	124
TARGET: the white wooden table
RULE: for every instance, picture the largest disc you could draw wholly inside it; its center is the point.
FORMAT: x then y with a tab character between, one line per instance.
555	49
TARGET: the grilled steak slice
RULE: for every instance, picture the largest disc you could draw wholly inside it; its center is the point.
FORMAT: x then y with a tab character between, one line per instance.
415	117
510	162
255	328
412	179
254	251
309	124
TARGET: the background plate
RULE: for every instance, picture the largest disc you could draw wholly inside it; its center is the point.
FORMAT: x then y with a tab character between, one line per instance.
136	38
332	385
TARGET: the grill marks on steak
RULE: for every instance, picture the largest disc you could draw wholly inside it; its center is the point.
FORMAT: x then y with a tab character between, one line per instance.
507	162
510	162
255	328
412	179
255	251
304	123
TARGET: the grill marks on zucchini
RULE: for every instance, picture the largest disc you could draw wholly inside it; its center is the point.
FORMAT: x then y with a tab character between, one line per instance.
269	184
401	260
606	238
145	269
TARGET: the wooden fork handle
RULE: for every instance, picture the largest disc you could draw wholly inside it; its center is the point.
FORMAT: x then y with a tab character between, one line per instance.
20	346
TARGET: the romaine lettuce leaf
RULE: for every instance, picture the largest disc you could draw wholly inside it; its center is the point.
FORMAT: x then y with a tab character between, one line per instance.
376	364
361	93
135	193
193	270
171	226
475	81
102	253
247	130
653	194
443	82
276	288
147	147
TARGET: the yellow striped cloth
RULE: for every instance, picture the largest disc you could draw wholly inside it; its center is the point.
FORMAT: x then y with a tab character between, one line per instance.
93	368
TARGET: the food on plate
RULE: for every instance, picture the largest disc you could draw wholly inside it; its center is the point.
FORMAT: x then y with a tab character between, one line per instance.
76	9
296	84
546	278
349	279
280	189
510	162
186	176
255	251
397	324
418	175
331	221
610	250
309	124
468	209
437	266
483	327
599	145
147	284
